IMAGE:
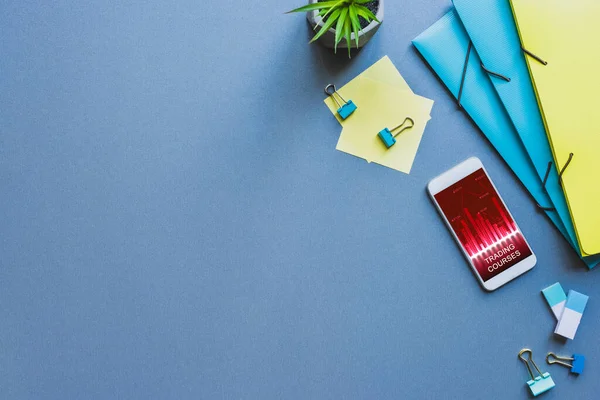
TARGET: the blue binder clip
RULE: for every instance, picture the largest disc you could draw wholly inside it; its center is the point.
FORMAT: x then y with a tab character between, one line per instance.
345	109
538	384
386	134
577	359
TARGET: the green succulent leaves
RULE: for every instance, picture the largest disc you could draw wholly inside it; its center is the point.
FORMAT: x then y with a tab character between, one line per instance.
344	15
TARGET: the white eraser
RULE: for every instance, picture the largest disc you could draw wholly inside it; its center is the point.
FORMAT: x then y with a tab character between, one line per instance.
571	316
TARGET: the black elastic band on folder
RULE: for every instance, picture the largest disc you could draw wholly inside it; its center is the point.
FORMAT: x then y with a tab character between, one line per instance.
544	187
562	171
464	74
497	75
530	54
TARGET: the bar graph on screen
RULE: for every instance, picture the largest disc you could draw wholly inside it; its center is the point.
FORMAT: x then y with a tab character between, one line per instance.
483	232
483	225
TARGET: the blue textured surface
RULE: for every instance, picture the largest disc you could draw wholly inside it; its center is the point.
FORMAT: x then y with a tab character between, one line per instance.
177	224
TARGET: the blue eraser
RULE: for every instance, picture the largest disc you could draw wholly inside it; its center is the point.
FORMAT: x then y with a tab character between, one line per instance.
578	364
386	137
556	298
347	109
576	301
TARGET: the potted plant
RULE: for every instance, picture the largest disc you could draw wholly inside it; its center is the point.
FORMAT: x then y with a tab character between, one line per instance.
356	21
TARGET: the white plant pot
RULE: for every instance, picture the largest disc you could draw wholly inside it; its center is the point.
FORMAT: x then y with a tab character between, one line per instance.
328	38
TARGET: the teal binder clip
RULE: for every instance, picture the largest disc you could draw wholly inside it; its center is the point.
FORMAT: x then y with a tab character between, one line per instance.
538	384
346	108
386	134
578	362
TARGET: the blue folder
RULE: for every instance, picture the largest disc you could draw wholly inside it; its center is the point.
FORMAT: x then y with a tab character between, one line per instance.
491	28
445	46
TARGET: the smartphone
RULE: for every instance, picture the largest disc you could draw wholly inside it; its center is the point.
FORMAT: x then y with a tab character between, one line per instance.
481	224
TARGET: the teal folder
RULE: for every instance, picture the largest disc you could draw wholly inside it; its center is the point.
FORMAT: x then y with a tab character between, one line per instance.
445	46
491	28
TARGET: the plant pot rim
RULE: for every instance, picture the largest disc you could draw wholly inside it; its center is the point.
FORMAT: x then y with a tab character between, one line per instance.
319	21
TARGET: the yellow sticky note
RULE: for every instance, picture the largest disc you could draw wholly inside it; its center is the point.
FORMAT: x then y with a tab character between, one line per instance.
565	35
385	106
383	71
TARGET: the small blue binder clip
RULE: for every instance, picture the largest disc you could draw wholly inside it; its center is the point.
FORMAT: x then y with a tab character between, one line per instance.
538	384
345	109
577	359
386	134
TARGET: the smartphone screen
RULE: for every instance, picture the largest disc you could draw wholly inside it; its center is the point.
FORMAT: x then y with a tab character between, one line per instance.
483	225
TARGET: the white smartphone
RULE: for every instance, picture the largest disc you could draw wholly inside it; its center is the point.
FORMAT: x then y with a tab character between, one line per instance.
481	224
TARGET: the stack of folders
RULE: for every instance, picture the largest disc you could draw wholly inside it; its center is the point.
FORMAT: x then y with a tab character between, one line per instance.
525	72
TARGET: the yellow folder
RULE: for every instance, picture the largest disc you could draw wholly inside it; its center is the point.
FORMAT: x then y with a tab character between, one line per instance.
562	40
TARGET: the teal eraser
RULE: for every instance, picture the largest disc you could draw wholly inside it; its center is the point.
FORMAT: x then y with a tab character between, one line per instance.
556	299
